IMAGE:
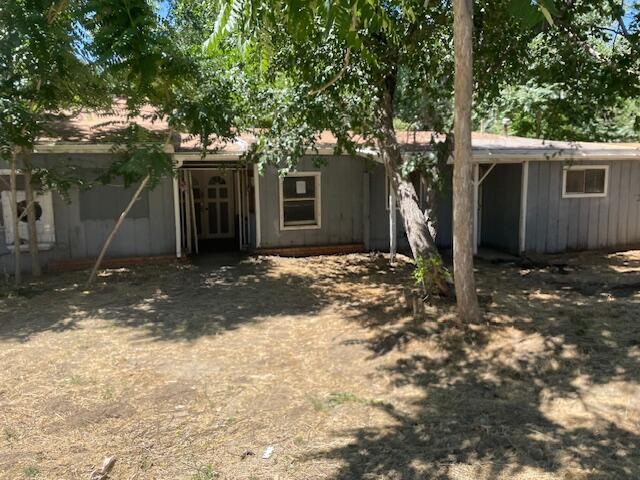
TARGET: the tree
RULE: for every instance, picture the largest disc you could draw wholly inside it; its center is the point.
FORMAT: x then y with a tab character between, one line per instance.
148	65
42	70
351	57
581	83
463	214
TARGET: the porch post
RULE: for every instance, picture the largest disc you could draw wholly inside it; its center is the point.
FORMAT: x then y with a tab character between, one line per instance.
176	213
256	191
523	207
393	231
239	207
476	196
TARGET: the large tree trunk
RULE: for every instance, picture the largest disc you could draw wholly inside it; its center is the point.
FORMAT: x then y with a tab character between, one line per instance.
116	227
15	221
463	214
421	241
36	271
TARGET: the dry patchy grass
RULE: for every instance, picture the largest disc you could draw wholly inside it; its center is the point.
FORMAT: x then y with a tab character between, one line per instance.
190	372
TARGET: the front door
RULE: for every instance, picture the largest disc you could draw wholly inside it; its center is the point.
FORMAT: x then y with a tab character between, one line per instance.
218	205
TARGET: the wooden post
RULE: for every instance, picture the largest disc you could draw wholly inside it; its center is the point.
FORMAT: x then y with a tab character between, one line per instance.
524	189
247	213
393	231
187	211
476	204
177	212
192	203
15	221
238	196
256	188
36	271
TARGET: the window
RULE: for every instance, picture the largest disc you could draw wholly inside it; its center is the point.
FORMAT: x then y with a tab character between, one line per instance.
585	181
300	201
44	215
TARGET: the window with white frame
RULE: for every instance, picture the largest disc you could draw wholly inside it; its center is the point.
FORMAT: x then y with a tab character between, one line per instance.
585	181
300	201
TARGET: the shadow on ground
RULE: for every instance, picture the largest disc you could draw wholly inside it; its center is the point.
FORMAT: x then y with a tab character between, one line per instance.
547	386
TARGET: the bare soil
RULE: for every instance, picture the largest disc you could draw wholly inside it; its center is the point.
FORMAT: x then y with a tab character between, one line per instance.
193	371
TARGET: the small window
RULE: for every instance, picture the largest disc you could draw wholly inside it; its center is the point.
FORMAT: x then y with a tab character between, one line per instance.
300	201
585	181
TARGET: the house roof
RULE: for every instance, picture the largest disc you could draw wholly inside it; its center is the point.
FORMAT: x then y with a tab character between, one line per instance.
95	131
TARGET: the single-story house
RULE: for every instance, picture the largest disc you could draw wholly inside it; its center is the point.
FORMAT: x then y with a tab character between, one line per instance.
530	196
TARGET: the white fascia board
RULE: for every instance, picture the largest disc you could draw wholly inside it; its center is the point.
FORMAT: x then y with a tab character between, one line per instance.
209	157
82	148
519	156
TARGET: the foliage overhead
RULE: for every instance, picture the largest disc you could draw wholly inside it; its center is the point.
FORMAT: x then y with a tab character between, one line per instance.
43	68
331	61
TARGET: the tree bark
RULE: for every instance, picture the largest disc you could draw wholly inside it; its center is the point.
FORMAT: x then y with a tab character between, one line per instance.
463	214
116	227
415	221
36	271
15	220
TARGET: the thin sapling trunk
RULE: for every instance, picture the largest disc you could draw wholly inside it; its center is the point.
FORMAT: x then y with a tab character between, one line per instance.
14	217
36	270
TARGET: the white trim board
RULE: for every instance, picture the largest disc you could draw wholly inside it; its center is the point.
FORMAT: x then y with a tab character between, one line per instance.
82	148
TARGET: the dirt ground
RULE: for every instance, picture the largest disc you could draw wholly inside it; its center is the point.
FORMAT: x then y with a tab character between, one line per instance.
193	371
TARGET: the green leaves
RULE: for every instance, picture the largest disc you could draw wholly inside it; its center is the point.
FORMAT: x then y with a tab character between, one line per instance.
533	12
138	155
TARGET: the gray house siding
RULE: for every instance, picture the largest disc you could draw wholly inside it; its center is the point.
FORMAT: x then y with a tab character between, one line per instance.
83	223
556	224
379	218
500	207
342	210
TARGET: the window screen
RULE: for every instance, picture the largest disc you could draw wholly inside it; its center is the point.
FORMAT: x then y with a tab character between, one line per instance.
299	201
587	181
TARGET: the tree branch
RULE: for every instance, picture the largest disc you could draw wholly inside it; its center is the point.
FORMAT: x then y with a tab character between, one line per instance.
336	77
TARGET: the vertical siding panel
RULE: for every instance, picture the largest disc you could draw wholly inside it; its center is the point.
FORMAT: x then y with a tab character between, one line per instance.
634	204
623	202
77	239
594	211
543	206
555	196
344	198
583	223
156	221
563	214
168	218
574	220
603	220
614	200
532	206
